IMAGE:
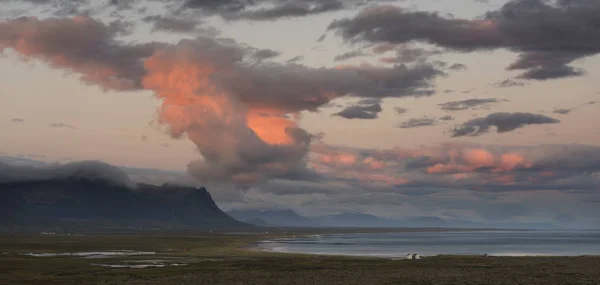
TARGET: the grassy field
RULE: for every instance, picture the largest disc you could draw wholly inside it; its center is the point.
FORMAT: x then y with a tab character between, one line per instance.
226	259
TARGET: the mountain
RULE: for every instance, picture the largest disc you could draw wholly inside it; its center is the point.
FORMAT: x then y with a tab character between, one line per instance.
425	222
352	220
87	200
284	218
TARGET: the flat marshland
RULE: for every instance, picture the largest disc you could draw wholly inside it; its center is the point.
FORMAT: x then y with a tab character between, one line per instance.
207	258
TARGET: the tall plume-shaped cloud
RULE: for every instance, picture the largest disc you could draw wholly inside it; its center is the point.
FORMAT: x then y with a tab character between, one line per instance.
237	142
236	110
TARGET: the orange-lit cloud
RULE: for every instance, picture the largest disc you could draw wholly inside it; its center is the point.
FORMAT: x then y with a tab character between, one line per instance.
237	113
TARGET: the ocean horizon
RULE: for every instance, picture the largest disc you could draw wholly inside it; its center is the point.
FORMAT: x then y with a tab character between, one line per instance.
399	244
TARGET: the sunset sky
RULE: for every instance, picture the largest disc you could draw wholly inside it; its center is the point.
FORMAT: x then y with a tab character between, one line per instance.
461	109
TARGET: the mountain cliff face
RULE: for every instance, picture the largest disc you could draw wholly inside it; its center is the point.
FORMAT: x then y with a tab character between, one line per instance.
91	201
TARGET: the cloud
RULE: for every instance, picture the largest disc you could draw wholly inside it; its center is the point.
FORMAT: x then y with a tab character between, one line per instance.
62	126
417	123
466	166
549	35
287	9
401	111
468	104
269	10
504	122
58	7
295	59
17	121
82	45
161	23
369	101
365	112
562	111
349	55
238	114
406	54
446	118
263	54
458	66
383	48
508	83
224	96
10	173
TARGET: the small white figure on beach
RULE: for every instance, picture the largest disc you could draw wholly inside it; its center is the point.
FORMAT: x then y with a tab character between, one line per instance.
413	256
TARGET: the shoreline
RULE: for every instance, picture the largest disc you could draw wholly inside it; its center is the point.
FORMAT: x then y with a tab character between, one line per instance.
213	259
258	246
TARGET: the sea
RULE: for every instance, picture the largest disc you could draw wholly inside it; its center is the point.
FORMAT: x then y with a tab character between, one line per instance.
492	243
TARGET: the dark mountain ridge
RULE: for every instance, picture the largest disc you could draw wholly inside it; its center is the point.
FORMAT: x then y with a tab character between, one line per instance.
91	201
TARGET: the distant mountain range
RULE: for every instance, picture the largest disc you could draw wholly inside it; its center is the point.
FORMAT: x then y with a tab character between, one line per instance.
86	201
273	218
96	196
289	218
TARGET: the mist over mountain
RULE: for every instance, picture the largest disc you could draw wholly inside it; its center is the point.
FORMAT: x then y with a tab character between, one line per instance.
286	218
97	195
289	218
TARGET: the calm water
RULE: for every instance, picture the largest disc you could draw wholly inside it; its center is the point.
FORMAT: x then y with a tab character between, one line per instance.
500	243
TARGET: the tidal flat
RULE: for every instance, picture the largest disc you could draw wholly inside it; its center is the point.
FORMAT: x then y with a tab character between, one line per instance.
227	258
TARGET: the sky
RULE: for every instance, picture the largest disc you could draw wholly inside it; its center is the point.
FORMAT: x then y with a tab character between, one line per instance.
460	109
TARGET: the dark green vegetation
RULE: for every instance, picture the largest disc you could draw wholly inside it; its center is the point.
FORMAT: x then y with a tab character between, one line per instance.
224	259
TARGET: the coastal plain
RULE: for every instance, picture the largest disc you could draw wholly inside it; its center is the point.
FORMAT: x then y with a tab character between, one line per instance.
231	258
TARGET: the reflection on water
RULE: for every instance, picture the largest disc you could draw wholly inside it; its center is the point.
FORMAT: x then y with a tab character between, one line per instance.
499	243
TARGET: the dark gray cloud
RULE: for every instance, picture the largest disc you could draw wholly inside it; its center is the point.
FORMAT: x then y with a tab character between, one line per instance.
446	118
401	111
62	126
549	35
508	83
218	5
287	9
180	25
503	122
58	7
365	112
17	120
368	101
383	48
458	66
295	59
263	54
562	111
406	54
468	104
82	45
266	10
417	123
349	55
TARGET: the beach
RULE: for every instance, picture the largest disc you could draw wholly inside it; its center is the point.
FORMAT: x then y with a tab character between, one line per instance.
433	243
221	258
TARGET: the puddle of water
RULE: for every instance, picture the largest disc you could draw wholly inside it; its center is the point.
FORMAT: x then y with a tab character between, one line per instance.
93	254
140	266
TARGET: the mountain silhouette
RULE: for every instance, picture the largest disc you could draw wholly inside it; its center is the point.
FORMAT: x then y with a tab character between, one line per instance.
92	201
